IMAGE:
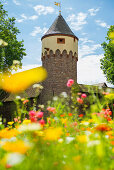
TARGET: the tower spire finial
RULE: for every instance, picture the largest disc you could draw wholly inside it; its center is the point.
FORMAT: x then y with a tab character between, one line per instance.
59	5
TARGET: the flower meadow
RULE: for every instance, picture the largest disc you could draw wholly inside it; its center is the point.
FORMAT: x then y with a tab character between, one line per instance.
71	132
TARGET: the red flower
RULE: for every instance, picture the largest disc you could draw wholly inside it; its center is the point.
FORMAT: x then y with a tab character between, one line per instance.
102	128
69	114
81	115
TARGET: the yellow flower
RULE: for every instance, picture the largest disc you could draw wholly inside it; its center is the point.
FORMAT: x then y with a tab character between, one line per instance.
18	82
10	123
26	121
91	120
18	146
5	133
52	133
64	121
110	96
82	138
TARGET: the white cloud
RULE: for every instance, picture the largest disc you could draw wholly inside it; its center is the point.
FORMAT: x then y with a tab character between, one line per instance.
89	71
27	67
102	23
85	40
77	21
85	50
43	10
16	2
24	16
70	8
34	17
19	20
38	30
93	11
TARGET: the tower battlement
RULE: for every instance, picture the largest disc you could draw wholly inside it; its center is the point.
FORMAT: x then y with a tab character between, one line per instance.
59	58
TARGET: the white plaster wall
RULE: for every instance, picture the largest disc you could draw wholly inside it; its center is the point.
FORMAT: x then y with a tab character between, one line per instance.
51	43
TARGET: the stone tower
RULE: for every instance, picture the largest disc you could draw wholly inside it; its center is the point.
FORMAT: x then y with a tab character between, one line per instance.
59	57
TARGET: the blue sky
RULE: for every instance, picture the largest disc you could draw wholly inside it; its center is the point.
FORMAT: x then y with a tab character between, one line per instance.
89	20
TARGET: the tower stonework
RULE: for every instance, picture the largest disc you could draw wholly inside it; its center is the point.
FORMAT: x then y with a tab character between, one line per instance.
59	57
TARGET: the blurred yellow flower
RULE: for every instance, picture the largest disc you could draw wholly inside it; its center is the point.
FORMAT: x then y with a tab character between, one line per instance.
5	133
110	96
18	82
64	121
26	121
52	133
10	123
82	138
18	146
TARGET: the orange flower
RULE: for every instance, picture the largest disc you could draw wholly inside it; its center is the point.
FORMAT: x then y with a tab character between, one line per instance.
67	134
112	142
70	114
102	128
62	115
81	115
25	101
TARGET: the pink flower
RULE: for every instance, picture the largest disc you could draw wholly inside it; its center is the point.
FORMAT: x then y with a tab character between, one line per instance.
32	113
51	109
70	82
83	95
39	114
79	100
42	122
15	119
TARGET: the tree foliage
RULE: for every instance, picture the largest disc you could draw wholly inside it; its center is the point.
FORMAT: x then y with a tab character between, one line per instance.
107	62
8	33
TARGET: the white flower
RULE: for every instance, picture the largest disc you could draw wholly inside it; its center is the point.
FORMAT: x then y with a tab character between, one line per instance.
37	86
29	127
18	97
88	133
41	106
93	143
55	98
14	158
69	139
60	140
64	94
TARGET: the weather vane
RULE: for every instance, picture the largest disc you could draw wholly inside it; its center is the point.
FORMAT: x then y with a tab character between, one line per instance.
59	5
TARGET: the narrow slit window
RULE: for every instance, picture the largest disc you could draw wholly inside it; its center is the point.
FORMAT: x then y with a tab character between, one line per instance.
61	40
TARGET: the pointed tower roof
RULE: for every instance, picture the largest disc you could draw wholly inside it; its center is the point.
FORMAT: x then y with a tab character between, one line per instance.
59	27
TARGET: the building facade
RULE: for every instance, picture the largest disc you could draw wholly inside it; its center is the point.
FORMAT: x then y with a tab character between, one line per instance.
59	57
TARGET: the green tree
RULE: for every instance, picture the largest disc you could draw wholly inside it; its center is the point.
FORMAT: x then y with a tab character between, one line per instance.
107	62
8	33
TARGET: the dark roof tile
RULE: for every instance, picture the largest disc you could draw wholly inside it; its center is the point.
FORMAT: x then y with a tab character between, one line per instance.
59	27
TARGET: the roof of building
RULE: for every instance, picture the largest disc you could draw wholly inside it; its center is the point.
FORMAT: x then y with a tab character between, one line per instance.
59	26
